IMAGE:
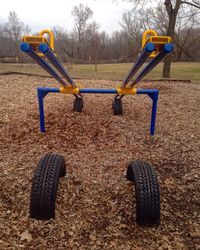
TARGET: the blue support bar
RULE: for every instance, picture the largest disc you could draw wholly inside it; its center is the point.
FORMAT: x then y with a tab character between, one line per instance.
41	96
167	48
25	47
152	93
44	48
98	91
153	117
147	50
46	90
154	97
147	91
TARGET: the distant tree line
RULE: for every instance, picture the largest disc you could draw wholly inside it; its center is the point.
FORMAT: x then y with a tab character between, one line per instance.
87	44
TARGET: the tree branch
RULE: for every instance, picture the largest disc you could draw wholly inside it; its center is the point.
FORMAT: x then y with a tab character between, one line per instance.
168	5
191	4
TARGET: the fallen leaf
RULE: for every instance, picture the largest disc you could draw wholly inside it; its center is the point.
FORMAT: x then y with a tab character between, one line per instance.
26	236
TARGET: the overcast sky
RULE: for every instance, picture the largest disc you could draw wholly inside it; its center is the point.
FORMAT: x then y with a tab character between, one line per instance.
41	14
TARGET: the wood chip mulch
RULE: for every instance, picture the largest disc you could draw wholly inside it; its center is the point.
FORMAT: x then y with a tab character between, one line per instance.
96	204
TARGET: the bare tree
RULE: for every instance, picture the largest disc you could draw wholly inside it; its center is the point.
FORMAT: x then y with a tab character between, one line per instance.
94	41
81	16
172	8
187	19
132	25
15	26
14	29
26	30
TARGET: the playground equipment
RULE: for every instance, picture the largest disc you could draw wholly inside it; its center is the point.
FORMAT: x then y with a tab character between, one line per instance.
39	48
51	167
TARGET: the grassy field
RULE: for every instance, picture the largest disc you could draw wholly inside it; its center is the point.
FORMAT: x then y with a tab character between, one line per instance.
182	71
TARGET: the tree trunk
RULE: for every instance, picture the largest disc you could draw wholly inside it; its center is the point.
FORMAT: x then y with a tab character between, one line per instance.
167	67
170	32
172	13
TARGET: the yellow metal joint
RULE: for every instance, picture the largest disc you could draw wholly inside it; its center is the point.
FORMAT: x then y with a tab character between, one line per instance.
69	90
127	91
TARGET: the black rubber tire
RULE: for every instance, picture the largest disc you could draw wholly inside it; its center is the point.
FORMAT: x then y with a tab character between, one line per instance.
78	104
147	192
117	107
44	186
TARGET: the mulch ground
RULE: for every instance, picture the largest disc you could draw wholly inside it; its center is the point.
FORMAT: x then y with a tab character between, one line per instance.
96	204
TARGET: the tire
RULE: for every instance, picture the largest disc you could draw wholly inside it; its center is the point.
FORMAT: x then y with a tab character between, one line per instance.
44	186
117	107
78	104
147	192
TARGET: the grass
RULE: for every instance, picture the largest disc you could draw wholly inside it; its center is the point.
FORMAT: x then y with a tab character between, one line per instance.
118	71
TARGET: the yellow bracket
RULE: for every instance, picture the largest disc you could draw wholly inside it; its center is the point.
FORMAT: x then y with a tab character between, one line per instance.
159	41
127	91
35	41
69	90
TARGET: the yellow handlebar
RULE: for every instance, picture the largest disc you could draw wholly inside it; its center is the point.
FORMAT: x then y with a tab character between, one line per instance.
145	34
51	37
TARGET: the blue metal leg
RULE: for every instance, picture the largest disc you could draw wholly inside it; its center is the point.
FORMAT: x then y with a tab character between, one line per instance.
154	97
42	92
41	96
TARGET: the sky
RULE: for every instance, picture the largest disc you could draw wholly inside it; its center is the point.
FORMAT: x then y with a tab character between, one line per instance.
44	14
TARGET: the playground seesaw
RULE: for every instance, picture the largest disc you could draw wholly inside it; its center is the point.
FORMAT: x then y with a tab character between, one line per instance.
52	166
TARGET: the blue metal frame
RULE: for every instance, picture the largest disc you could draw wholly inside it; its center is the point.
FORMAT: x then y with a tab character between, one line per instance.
98	91
147	50
152	93
44	48
25	47
167	49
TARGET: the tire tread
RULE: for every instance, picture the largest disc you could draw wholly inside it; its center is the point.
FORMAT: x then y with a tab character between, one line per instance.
44	186
147	192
